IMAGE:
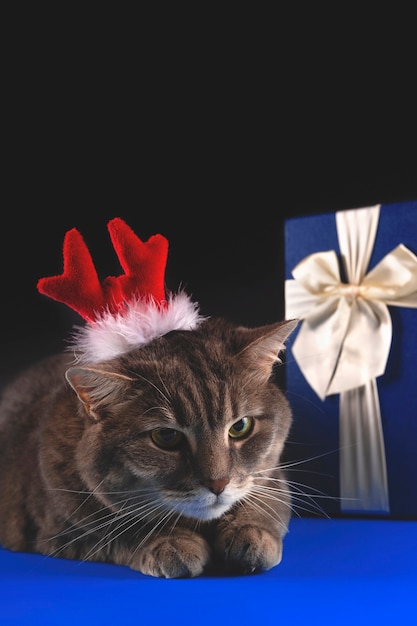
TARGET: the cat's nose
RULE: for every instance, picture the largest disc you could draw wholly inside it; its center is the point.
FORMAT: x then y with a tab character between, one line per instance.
217	486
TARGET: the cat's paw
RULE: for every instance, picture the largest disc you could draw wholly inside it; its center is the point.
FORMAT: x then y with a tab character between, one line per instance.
248	549
182	554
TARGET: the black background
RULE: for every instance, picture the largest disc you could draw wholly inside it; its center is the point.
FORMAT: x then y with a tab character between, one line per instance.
212	142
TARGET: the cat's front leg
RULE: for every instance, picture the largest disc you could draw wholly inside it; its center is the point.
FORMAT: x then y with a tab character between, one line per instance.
248	545
180	554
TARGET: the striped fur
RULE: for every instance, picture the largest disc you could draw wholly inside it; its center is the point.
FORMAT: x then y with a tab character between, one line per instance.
165	459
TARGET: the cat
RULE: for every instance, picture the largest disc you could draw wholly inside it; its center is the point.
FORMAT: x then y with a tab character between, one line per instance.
165	459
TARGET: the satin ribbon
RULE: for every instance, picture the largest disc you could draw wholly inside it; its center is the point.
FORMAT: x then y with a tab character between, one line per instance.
344	342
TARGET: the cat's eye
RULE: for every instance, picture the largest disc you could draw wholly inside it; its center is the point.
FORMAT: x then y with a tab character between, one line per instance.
242	428
167	438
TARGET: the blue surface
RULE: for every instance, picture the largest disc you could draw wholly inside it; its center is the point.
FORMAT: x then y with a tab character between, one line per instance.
341	571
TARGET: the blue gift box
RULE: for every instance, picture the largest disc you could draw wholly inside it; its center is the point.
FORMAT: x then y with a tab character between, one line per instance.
314	447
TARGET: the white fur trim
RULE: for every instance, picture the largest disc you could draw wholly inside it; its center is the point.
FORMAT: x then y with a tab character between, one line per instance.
141	321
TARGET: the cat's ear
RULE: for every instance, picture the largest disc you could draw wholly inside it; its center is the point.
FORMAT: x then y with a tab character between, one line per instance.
264	344
95	388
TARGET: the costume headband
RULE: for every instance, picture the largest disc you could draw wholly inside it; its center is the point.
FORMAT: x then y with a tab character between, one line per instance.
123	312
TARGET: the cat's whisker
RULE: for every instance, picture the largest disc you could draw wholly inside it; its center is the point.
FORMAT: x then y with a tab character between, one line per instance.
300	492
100	545
157	529
108	521
96	523
316	492
259	504
290	464
309	491
152	384
154	408
89	495
125	521
298	499
168	393
294	508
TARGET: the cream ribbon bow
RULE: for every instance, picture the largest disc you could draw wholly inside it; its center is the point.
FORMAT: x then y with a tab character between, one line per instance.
344	342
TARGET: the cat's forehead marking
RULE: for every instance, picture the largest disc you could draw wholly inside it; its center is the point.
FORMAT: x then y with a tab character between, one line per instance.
204	439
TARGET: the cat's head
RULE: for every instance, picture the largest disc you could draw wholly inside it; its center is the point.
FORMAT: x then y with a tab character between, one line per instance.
187	421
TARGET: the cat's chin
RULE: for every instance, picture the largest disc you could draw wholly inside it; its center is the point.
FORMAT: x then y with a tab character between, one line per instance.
202	510
206	513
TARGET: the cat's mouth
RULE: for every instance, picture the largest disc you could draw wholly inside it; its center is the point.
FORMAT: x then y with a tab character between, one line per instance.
202	506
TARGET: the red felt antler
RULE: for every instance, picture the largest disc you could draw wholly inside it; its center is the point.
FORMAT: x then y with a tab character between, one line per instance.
79	287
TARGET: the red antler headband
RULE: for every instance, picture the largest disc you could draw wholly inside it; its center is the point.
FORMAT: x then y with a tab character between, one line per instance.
122	312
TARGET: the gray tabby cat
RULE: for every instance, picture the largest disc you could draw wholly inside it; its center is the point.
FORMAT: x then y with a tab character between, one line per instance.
165	459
